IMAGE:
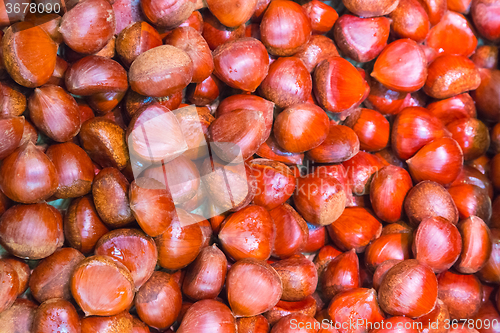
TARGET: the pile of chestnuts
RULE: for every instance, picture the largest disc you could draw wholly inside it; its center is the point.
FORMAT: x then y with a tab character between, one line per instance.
249	166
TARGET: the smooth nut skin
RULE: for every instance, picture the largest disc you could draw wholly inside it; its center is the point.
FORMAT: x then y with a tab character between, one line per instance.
461	293
31	231
110	193
55	112
246	298
210	316
120	323
242	63
428	199
19	317
104	142
368	8
29	66
12	132
23	272
54	315
284	28
133	249
82	225
168	14
112	295
96	75
159	300
27	175
161	71
88	26
9	286
136	39
51	278
476	249
409	289
298	276
74	169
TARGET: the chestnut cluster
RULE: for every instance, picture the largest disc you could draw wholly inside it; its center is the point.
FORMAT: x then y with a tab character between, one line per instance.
365	199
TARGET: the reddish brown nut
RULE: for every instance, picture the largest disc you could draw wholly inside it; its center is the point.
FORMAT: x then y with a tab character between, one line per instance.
248	233
287	83
476	248
136	39
51	278
232	13
19	317
298	276
360	169
358	304
113	294
181	242
161	71
133	249
409	289
27	175
191	41
341	274
338	86
74	169
110	193
284	28
485	16
216	34
340	145
209	315
55	314
241	63
241	290
371	127
292	233
275	183
437	243
12	101
31	231
451	75
96	75
320	200
168	14
282	309
429	199
82	225
490	272
454	108
9	287
461	293
486	56
11	134
401	66
255	324
354	229
472	136
286	324
104	141
487	95
415	25
301	127
122	322
366	8
88	26
317	49
159	301
471	200
29	66
387	247
23	272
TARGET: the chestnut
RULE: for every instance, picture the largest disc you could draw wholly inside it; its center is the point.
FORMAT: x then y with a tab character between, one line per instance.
387	247
19	317
286	324
208	316
232	13
205	277
292	233
74	169
298	276
307	306
168	13
250	299
284	28
10	285
82	225
354	229
317	49
216	34
55	314
437	243
113	294
30	67
23	272
51	278
31	231
158	301
366	8
135	39
340	145
109	190
28	175
489	273
122	322
12	130
341	273
161	71
359	304
133	249
461	293
408	289
96	29
248	233
255	324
